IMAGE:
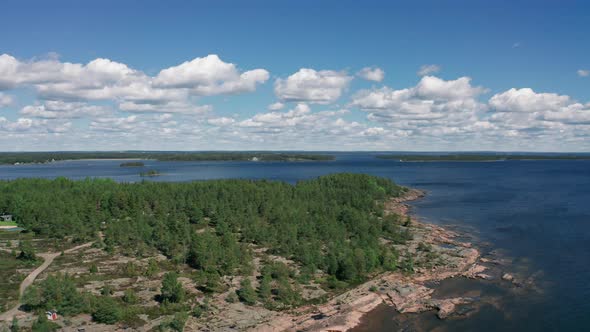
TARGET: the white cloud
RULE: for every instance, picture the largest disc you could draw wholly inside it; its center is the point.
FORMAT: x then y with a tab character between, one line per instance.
428	70
28	125
309	85
222	121
56	109
527	100
583	72
432	98
572	115
374	74
115	124
210	76
433	114
276	106
107	80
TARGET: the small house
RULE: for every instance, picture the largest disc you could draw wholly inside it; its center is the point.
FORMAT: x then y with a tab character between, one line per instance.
51	315
6	217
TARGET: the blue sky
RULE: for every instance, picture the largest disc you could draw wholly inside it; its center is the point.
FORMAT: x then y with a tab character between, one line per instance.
527	62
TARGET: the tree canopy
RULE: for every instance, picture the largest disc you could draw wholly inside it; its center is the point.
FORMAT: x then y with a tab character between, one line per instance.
333	223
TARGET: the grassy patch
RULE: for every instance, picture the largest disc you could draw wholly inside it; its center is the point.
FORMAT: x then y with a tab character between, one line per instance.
10	279
8	223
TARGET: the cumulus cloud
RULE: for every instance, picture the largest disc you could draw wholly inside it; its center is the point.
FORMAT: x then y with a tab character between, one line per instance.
57	109
276	106
222	121
299	125
374	74
127	108
432	98
527	100
428	70
209	76
28	125
309	85
583	72
107	80
448	113
115	124
575	114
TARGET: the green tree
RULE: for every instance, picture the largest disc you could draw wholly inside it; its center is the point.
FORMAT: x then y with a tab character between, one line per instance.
43	325
129	297
178	321
27	252
246	293
264	288
55	292
213	282
172	290
152	268
106	310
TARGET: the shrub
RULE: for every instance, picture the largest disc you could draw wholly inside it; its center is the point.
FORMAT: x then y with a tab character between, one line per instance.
129	297
178	321
106	290
27	252
172	290
106	310
246	293
43	325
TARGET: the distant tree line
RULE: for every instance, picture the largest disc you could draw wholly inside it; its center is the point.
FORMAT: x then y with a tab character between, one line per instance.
482	157
44	157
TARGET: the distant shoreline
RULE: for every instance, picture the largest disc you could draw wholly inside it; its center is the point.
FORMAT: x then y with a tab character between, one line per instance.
478	157
25	158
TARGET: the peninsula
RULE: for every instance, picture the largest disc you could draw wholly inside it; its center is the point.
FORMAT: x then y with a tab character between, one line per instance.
252	255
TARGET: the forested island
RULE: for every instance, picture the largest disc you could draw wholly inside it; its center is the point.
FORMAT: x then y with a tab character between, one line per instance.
45	157
481	157
203	253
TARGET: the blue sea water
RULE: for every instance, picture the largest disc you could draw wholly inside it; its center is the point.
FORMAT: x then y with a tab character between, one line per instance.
536	212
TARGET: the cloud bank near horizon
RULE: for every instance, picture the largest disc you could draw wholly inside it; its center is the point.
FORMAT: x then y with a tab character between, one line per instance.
48	104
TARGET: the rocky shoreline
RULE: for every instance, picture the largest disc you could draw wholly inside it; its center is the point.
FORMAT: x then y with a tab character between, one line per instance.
406	293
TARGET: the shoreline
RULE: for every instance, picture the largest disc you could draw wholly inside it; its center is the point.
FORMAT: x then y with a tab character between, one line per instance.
405	293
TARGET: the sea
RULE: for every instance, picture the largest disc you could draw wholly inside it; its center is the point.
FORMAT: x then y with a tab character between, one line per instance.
534	213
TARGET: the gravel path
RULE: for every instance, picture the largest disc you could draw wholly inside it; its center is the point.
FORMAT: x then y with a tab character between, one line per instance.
48	259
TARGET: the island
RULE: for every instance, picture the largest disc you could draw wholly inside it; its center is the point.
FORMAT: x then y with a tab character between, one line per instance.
16	158
150	173
481	157
132	164
248	255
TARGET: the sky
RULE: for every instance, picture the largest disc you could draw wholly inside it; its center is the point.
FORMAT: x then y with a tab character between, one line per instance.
295	75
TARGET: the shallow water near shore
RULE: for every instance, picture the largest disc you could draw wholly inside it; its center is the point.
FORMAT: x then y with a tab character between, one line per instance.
534	213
